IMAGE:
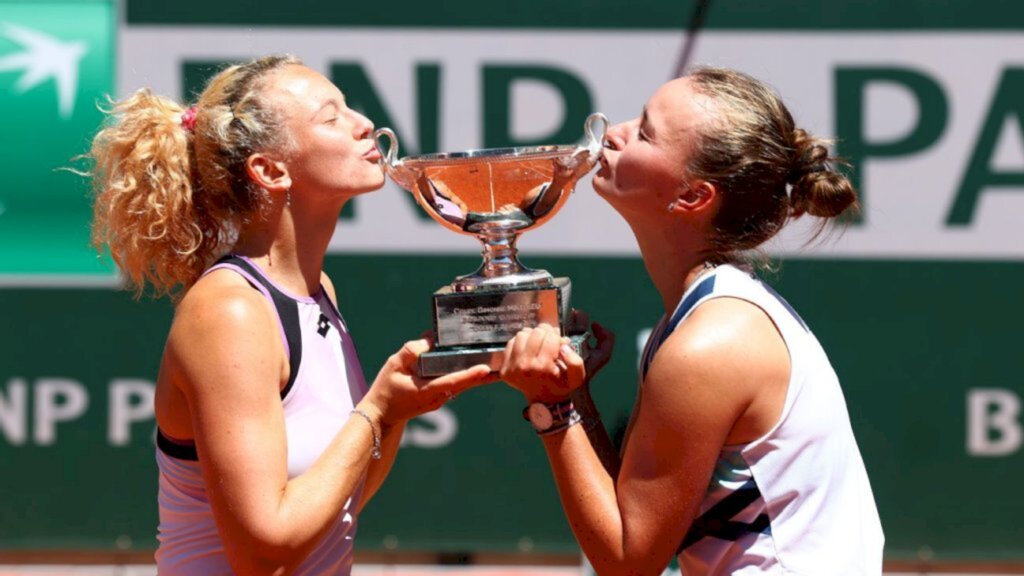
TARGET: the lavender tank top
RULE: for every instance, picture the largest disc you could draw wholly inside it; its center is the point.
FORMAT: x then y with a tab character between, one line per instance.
325	383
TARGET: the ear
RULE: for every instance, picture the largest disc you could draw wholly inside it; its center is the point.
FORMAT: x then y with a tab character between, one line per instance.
696	196
268	173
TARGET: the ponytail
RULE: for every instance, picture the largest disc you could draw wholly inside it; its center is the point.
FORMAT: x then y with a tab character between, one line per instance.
144	209
171	191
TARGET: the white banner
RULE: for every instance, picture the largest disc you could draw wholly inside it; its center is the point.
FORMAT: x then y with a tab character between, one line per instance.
908	196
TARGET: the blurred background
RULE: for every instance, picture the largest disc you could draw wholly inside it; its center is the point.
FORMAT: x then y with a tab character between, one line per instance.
918	302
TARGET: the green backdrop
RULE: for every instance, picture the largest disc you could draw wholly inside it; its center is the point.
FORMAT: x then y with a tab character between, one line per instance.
911	339
908	340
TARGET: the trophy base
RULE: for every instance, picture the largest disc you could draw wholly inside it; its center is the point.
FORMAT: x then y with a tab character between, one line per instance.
440	362
473	328
493	316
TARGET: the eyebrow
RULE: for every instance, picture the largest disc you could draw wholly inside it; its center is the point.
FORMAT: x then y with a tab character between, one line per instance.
330	102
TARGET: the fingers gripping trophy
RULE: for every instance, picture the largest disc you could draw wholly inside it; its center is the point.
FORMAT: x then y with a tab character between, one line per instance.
494	194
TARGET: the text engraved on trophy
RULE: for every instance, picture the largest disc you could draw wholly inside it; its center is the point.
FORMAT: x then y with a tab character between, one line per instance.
493	318
510	316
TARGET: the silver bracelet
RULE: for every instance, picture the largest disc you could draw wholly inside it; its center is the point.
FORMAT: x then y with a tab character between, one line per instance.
375	453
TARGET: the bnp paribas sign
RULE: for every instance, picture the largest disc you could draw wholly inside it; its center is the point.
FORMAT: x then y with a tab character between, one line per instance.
928	117
56	65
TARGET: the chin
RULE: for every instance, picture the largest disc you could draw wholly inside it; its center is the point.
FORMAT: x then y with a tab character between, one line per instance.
378	181
371	184
603	188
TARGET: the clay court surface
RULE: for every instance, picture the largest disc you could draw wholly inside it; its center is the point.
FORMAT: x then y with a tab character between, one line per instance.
368	570
376	570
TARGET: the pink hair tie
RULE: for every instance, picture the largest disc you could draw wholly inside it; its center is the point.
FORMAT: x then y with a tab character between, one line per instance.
188	119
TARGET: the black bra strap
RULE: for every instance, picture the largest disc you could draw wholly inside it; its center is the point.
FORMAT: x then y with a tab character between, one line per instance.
176	449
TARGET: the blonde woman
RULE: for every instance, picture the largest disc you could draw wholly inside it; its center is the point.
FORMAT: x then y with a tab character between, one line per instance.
269	441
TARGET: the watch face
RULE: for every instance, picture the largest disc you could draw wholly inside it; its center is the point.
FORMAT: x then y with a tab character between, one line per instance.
540	416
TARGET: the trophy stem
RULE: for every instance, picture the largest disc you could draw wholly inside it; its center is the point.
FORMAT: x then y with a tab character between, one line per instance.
501	266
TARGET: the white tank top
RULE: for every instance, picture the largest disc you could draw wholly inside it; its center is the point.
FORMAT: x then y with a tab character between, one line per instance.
797	500
325	383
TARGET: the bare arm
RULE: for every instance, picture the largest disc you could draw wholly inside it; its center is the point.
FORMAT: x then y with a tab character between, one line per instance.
379	469
224	353
700	383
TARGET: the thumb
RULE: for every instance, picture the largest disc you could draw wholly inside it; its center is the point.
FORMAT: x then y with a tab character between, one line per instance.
410	353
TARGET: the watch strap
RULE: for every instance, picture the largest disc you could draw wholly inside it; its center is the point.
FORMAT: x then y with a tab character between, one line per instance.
557	409
563	415
573	418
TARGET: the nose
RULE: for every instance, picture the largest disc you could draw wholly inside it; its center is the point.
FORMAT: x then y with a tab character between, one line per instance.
362	126
617	136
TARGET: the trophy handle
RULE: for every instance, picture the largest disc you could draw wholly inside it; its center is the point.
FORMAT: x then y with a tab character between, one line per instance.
388	156
402	175
595	136
585	156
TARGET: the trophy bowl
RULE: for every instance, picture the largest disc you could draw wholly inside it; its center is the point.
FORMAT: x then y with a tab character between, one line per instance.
495	195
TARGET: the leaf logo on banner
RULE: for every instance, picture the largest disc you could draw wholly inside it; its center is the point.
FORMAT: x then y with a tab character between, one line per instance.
44	57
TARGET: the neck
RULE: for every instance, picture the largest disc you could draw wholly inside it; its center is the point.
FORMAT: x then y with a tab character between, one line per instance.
674	260
289	245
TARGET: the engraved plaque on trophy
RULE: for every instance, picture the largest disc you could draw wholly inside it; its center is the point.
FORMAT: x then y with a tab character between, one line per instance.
495	195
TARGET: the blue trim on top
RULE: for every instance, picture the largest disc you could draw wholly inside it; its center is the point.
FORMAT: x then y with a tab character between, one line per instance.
704	288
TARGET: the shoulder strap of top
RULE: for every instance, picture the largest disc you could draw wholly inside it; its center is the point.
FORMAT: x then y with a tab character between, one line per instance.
287	311
748	290
702	289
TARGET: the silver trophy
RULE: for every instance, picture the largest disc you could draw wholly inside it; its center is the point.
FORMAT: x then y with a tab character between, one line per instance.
494	194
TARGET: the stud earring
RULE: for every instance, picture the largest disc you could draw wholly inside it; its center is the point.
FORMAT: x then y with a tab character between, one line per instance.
671	206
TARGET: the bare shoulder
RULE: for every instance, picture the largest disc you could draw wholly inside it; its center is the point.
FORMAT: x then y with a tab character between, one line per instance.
221	300
722	356
697	394
221	322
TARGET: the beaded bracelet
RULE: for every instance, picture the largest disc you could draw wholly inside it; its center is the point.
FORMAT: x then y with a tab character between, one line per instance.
375	453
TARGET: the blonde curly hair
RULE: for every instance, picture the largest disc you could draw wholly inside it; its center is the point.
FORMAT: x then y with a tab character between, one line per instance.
168	201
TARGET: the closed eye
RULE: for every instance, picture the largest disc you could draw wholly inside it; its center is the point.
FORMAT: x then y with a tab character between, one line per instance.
640	128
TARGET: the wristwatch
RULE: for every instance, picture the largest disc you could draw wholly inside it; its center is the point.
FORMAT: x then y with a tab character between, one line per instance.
551	418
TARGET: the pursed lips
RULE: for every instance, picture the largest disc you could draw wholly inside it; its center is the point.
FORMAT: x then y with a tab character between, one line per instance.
372	154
